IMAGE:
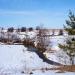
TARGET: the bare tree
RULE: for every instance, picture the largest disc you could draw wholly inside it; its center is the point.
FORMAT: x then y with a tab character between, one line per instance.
42	39
30	29
11	29
2	34
23	29
61	32
53	31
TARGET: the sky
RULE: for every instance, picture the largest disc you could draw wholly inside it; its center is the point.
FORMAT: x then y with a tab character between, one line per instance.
32	13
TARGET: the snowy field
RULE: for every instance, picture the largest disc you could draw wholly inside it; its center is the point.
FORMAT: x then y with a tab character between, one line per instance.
17	60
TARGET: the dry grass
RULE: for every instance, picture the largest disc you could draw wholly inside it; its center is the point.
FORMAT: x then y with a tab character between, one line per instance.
65	68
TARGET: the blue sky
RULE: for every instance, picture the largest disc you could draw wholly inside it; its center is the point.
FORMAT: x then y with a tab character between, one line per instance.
31	13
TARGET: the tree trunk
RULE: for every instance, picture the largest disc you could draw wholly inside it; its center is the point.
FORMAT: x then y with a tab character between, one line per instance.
72	60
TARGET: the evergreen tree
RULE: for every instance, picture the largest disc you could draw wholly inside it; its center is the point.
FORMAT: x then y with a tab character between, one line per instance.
69	47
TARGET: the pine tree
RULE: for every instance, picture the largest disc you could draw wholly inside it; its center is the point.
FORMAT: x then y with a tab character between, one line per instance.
69	47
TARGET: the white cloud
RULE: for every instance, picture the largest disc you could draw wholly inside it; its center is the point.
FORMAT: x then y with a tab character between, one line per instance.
38	13
17	13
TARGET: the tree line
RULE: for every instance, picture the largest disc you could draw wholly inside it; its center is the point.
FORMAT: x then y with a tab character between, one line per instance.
22	29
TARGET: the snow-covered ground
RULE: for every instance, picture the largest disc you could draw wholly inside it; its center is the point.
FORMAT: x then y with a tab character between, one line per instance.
16	59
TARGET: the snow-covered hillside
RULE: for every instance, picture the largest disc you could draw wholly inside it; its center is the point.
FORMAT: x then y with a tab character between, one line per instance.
17	60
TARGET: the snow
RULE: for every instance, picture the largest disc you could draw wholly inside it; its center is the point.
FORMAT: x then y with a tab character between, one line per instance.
15	59
34	59
11	56
17	35
56	40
